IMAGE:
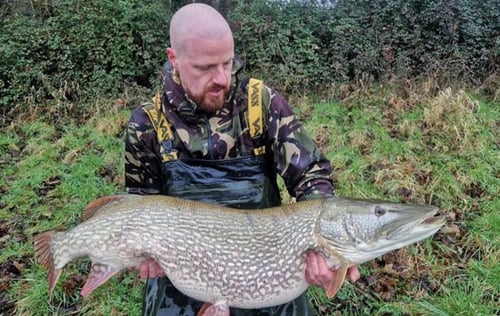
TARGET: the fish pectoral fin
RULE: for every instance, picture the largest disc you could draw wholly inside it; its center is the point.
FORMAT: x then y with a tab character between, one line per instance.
217	309
99	274
337	281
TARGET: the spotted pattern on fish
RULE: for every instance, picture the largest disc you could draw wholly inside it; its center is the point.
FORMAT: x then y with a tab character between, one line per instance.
243	258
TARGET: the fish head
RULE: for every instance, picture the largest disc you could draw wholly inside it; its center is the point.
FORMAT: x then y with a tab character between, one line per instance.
361	230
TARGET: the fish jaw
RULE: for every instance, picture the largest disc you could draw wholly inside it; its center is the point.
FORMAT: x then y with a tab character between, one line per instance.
360	230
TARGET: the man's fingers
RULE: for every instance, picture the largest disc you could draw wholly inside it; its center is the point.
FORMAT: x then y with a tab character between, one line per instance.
314	271
144	270
158	270
311	267
155	271
353	274
149	268
317	271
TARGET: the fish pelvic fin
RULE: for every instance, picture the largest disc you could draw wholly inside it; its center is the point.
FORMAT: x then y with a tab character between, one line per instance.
44	255
99	274
337	281
217	309
95	207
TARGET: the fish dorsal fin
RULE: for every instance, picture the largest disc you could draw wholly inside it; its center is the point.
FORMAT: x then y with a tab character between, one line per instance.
96	207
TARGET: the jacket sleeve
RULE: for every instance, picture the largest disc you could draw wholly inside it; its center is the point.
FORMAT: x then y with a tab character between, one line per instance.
304	169
142	163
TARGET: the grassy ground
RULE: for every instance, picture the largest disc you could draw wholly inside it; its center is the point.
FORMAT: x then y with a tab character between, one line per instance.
439	148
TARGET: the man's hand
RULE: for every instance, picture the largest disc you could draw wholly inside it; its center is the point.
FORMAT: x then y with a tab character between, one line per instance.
318	273
149	268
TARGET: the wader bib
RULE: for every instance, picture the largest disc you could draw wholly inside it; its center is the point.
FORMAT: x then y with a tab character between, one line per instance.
247	182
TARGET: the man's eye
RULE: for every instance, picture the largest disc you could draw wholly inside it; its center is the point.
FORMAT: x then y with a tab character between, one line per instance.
204	68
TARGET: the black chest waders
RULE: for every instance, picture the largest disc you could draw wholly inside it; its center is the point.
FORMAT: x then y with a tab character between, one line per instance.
247	182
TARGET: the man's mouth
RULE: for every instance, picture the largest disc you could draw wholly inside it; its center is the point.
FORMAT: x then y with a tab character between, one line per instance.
215	92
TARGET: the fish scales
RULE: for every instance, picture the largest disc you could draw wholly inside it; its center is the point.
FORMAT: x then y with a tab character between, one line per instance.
236	253
238	258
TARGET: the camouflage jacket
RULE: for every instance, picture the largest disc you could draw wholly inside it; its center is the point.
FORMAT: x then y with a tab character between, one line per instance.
225	135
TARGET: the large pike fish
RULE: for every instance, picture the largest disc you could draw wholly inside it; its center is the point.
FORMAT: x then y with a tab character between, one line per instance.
229	257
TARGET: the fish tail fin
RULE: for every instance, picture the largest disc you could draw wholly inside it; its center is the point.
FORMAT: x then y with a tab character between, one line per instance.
44	255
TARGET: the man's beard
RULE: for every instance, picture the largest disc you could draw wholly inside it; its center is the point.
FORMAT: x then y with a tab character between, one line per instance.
207	102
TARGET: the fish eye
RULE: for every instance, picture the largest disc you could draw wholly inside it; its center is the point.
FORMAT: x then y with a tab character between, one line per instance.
379	211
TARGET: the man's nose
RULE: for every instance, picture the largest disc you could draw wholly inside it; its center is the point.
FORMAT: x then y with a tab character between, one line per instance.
220	76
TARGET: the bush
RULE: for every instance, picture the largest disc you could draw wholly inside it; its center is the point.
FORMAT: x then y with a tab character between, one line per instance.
76	50
302	46
71	49
277	43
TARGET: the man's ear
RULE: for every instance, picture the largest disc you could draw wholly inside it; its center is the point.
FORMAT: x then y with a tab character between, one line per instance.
171	57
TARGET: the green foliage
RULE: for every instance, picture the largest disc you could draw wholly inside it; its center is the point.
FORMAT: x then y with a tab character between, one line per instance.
73	50
277	43
300	46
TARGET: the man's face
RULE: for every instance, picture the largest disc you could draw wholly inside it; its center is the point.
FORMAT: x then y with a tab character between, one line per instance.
204	67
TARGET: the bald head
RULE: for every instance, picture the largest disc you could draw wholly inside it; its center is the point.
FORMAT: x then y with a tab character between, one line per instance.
196	21
201	53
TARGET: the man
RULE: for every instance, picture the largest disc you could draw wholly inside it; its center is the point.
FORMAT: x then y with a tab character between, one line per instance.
196	142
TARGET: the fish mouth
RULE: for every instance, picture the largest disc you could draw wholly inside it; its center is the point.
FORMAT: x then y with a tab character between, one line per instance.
414	227
434	220
409	233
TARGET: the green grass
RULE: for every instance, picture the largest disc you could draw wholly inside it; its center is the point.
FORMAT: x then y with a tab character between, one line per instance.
53	171
440	149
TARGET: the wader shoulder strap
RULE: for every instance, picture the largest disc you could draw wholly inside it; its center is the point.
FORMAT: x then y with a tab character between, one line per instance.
255	113
255	121
162	128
